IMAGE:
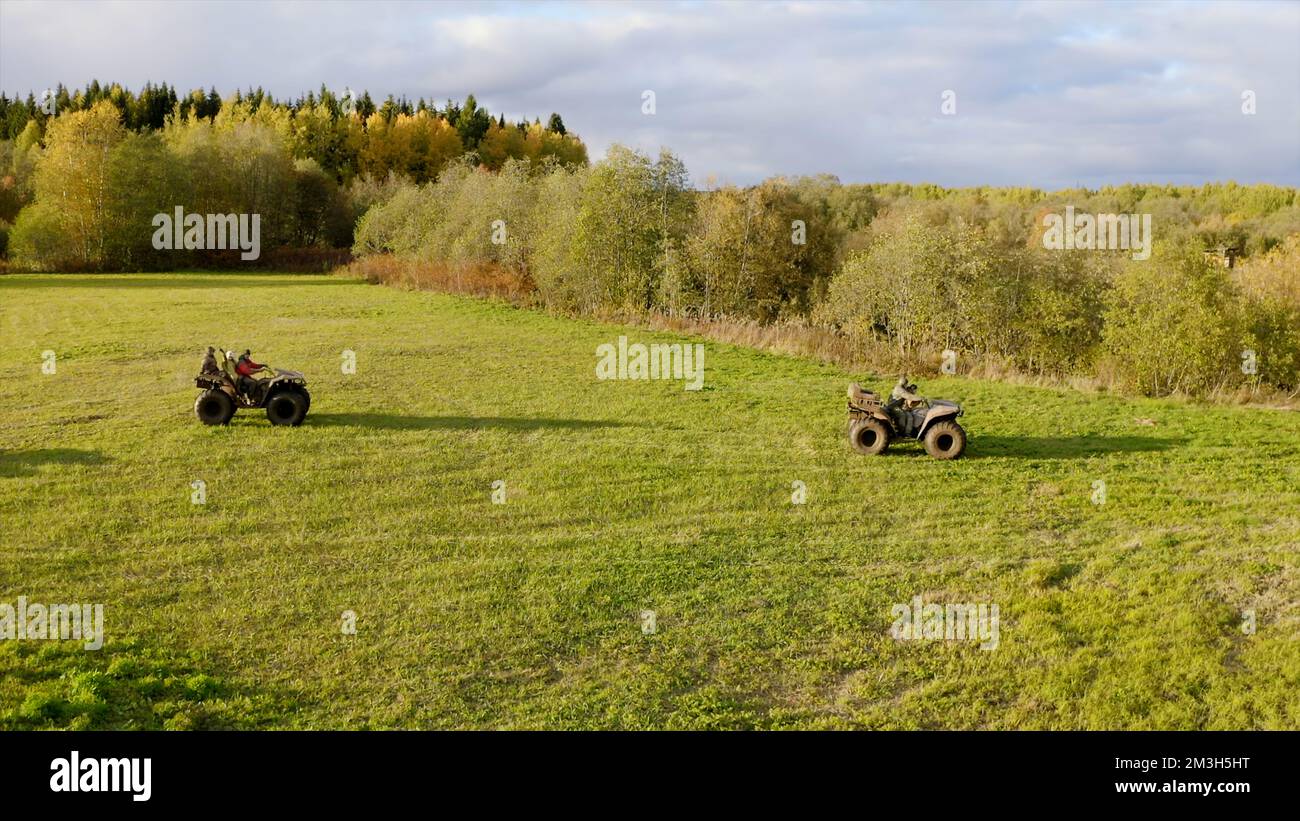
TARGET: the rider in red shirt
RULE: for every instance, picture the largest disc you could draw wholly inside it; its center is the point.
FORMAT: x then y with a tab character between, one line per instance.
246	366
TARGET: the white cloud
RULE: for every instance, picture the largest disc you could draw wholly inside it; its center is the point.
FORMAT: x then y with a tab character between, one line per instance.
1048	94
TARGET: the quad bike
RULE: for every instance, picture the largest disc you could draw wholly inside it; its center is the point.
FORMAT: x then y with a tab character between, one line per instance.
873	424
284	395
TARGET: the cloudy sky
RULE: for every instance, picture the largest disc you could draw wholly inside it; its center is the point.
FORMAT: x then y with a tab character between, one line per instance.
1049	94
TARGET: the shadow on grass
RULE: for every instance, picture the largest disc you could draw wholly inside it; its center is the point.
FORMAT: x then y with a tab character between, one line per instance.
389	421
25	462
1062	447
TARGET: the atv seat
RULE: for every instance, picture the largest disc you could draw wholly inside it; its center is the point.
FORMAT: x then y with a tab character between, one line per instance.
862	398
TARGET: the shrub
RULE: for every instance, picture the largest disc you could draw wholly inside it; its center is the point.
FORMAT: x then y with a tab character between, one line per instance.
38	241
388	226
367	190
1174	324
322	215
555	212
1062	319
761	252
902	288
1271	285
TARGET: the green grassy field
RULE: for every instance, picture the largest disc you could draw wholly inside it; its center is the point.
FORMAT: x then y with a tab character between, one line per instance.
621	497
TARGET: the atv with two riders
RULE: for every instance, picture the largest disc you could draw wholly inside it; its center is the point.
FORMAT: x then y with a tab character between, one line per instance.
230	383
873	424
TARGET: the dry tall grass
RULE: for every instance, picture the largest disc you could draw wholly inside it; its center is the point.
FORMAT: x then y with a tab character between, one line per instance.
477	279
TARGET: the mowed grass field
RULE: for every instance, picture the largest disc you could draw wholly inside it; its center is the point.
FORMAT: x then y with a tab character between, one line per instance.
620	497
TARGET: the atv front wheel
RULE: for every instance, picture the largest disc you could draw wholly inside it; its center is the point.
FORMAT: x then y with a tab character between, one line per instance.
214	407
869	437
945	440
286	407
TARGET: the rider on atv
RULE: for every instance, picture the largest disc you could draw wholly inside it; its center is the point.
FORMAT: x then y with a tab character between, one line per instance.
906	415
230	383
247	370
246	365
210	365
905	394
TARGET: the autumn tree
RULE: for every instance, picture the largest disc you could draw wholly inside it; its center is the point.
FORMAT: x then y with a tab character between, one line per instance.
72	179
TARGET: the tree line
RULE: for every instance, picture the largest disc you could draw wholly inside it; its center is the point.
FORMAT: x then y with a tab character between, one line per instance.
73	187
347	137
906	272
149	108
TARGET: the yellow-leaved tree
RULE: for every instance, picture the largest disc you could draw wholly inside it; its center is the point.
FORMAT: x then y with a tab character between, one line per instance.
418	146
73	193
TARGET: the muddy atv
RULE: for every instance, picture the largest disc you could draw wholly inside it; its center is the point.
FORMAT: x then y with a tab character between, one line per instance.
873	423
284	395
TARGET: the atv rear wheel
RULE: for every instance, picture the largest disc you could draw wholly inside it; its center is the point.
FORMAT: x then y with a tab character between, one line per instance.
214	407
869	437
286	407
945	440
